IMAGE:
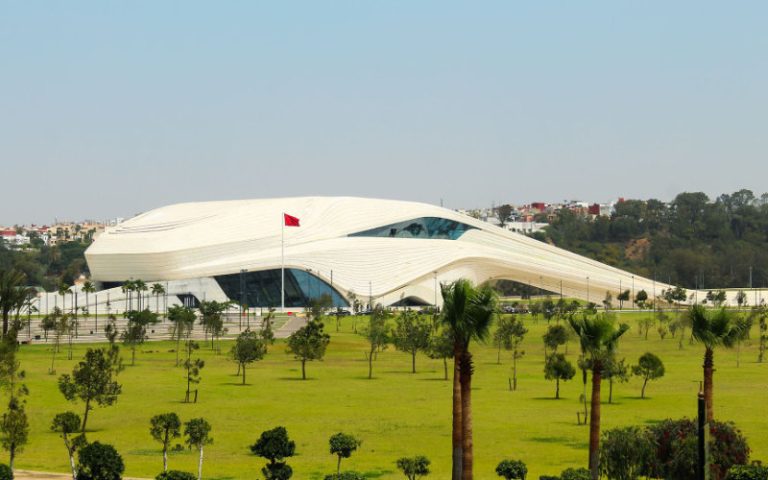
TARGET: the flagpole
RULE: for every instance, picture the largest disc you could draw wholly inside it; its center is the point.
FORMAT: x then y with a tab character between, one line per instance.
282	262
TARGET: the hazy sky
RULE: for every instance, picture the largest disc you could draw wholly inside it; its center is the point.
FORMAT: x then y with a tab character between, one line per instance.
112	108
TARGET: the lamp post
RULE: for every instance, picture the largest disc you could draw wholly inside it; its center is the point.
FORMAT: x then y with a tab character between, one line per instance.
435	277
587	289
633	289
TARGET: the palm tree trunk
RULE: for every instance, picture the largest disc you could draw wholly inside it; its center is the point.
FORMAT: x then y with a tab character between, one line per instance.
594	422
457	430
466	416
708	387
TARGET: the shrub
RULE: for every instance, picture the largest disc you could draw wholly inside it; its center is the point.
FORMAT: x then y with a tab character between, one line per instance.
575	474
548	477
414	467
512	470
624	453
748	472
5	472
175	475
350	475
99	461
676	453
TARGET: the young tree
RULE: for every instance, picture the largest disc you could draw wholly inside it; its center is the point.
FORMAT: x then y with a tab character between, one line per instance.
275	446
47	324
377	335
182	322
92	382
741	299
598	338
14	428
713	329
608	301
267	334
743	325
622	297
198	434
248	348
512	470
193	368
641	298
468	312
163	428
615	371
414	467
212	319
342	445
556	335
558	368
307	344
99	461
441	348
135	333
411	334
760	312
67	425
509	335
649	367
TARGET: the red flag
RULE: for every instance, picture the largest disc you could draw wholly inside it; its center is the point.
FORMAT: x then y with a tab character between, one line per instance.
290	221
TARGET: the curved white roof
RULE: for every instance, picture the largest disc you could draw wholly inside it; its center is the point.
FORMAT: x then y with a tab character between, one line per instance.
193	240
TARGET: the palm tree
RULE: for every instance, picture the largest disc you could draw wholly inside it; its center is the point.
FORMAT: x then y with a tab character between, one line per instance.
713	329
467	312
157	290
598	337
63	291
127	288
88	288
140	287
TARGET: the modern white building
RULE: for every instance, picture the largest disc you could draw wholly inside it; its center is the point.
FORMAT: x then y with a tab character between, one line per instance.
380	251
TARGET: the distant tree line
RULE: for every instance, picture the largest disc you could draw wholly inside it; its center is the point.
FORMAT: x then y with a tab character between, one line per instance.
693	241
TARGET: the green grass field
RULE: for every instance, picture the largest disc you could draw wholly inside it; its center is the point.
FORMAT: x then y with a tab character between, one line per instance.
395	414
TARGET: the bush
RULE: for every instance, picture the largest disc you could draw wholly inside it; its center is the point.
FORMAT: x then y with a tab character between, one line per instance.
548	477
175	475
624	453
676	451
350	475
5	472
99	461
576	474
277	471
748	472
512	469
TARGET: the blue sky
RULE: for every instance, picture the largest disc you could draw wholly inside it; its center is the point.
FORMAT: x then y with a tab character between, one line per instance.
112	108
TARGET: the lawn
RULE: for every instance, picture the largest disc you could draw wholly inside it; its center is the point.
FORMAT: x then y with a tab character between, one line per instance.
395	414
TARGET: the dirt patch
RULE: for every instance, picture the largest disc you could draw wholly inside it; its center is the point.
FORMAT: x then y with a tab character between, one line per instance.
637	249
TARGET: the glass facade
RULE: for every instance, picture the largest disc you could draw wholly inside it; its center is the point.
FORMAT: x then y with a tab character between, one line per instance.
262	288
424	227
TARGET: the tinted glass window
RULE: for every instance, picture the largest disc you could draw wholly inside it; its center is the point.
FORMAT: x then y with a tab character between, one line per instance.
262	288
424	227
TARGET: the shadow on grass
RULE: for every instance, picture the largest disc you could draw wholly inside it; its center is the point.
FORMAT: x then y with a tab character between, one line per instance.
433	379
568	442
549	398
308	379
